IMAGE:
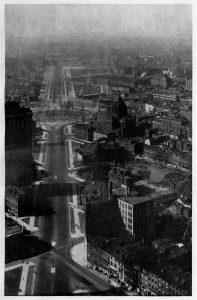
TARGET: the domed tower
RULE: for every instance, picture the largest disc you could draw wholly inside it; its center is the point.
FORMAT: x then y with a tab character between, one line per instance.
120	108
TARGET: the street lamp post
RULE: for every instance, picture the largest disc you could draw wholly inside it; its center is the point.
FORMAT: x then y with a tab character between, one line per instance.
53	268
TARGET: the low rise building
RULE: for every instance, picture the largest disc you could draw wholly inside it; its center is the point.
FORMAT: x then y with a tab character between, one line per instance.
157	153
98	258
103	256
152	273
104	125
187	212
165	284
13	199
159	80
120	84
172	125
12	228
121	180
98	134
94	194
83	131
179	208
188	84
166	96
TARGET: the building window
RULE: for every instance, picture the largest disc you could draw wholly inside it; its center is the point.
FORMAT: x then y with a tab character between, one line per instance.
130	227
130	220
130	214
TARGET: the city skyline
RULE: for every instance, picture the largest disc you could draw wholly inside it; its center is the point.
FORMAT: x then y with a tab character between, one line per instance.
107	20
98	150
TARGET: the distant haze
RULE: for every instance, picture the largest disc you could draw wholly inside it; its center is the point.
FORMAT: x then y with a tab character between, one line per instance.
58	22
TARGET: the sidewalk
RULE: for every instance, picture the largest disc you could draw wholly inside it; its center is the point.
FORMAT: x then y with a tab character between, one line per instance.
76	207
24	276
72	91
42	154
74	176
64	80
23	224
14	266
49	83
79	253
80	141
70	153
78	232
74	169
71	162
102	275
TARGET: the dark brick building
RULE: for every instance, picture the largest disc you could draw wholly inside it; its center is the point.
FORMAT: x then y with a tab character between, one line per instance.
18	144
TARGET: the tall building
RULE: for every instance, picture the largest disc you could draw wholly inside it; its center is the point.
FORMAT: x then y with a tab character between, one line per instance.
19	164
138	215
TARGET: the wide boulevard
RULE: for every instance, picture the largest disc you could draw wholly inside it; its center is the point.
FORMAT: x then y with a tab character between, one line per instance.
54	227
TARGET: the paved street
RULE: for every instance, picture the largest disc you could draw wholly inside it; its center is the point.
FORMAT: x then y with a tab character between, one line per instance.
64	282
55	228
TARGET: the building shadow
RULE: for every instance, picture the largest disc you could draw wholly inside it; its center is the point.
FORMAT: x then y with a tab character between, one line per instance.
24	246
105	220
38	200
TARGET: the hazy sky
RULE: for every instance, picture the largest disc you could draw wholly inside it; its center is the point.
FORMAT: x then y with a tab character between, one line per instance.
49	21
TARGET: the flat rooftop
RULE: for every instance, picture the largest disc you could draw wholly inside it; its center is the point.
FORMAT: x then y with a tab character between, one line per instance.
137	200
